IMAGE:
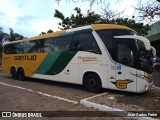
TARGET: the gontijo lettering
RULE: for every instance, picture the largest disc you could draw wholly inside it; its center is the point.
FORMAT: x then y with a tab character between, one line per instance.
25	57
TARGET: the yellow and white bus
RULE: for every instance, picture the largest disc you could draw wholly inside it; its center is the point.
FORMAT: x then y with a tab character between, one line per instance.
96	56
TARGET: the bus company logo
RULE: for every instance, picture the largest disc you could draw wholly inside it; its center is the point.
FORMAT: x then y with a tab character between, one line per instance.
87	59
6	114
122	84
25	57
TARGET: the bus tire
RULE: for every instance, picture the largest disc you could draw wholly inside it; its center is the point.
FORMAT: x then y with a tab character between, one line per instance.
13	73
92	83
20	74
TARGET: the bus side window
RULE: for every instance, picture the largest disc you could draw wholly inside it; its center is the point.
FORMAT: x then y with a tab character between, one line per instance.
85	42
107	38
18	48
6	49
29	47
12	49
48	45
63	44
34	46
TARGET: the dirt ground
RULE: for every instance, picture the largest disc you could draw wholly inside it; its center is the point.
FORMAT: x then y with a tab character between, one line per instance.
131	101
146	103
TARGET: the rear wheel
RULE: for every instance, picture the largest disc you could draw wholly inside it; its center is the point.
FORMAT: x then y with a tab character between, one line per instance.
13	73
92	82
21	74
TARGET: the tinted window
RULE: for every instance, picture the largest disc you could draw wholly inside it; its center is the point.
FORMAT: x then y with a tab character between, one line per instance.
118	32
48	45
14	48
38	46
125	54
63	44
28	46
7	49
107	38
109	41
85	42
18	48
33	46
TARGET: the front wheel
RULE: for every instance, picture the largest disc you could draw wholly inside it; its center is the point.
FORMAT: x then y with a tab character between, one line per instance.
92	83
21	74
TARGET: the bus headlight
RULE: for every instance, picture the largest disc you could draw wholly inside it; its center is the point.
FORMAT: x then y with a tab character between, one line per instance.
148	77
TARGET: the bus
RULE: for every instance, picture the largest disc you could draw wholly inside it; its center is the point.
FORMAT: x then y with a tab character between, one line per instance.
96	56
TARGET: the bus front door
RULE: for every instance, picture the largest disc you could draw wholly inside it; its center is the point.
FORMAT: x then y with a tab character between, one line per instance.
125	68
126	79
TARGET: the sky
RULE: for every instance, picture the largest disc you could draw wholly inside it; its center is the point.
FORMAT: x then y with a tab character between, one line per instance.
30	17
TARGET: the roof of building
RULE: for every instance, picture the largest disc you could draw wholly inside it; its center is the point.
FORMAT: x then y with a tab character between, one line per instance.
154	33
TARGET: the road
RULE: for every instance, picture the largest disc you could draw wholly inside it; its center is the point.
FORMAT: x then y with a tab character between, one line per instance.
156	79
42	95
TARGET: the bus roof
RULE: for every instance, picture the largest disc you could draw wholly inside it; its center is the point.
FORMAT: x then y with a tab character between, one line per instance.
108	26
58	33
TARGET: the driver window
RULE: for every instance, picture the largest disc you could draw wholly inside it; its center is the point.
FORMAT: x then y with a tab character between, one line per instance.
125	54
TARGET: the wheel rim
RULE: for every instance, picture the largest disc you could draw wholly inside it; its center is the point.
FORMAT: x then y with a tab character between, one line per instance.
92	83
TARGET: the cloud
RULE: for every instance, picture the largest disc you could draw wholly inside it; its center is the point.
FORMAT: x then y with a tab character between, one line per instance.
45	25
2	14
31	17
27	17
24	15
127	7
26	20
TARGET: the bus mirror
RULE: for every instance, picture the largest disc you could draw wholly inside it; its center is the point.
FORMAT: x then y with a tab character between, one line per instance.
153	50
143	39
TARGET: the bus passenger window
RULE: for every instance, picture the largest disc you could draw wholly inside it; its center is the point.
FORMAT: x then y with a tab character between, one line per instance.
48	45
85	42
63	44
19	48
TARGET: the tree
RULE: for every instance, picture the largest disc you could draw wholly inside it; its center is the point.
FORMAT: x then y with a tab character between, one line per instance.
2	35
107	13
77	20
140	28
91	1
42	33
12	36
50	31
148	10
91	18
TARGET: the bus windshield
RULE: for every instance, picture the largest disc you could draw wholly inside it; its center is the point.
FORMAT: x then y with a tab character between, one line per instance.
125	49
